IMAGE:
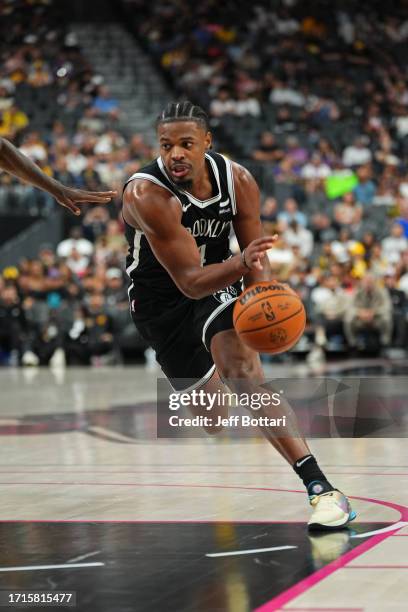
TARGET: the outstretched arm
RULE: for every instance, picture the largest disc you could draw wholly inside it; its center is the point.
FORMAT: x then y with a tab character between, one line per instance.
247	221
158	214
14	162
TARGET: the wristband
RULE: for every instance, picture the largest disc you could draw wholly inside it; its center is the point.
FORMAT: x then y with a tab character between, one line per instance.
243	260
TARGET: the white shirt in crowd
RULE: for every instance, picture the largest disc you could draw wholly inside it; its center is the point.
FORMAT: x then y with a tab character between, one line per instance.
320	295
311	171
392	247
35	151
250	106
303	239
286	95
77	265
82	245
356	156
76	163
218	108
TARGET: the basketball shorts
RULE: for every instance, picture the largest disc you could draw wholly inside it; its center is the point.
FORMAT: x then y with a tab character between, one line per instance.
181	335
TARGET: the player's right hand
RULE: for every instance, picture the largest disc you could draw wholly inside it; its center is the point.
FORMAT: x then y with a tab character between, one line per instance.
256	250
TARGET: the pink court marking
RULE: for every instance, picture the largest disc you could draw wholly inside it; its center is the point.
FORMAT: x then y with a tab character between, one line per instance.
306	584
167	522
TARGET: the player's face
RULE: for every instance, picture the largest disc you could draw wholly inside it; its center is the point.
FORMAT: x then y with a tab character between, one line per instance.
182	148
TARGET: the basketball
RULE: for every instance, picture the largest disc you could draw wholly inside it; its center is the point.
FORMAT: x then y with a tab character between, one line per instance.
269	317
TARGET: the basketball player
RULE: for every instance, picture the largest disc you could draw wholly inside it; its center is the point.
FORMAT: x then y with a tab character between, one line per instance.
14	162
178	214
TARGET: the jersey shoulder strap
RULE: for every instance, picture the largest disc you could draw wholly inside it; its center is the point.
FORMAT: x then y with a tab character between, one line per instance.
224	166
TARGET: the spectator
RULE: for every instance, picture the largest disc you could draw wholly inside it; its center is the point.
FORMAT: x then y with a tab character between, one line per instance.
34	147
357	154
104	104
297	235
268	150
95	222
370	311
315	169
75	241
115	289
394	244
100	329
403	212
399	301
269	211
348	213
290	213
77	263
330	307
247	105
365	190
283	94
13	120
13	326
378	261
223	104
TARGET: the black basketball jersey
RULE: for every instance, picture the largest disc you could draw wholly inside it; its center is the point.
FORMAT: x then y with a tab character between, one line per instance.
209	222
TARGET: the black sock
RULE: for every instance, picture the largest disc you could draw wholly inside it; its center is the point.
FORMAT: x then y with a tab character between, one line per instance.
313	478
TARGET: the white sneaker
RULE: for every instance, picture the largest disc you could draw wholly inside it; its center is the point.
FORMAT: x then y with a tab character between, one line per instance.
30	359
58	359
330	511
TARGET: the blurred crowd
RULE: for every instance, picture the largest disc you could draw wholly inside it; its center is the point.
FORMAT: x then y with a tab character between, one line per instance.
70	305
57	109
311	96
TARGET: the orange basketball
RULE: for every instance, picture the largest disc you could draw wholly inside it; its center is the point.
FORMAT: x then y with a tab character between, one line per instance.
269	317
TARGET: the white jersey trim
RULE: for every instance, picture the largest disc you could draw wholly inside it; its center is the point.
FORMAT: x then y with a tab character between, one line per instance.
136	252
199	383
192	199
212	316
153	179
231	186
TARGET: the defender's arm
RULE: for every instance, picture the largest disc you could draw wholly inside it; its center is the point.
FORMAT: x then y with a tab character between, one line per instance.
14	162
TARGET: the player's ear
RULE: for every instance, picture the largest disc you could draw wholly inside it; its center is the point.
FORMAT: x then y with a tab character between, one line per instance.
208	141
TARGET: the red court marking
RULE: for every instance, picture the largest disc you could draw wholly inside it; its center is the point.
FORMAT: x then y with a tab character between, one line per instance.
403	510
164	471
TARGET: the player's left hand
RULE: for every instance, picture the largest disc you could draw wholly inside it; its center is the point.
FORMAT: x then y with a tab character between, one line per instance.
70	198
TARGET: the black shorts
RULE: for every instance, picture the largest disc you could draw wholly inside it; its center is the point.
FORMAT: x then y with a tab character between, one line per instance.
182	335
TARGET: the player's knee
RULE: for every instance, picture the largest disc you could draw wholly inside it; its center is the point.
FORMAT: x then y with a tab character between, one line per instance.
237	370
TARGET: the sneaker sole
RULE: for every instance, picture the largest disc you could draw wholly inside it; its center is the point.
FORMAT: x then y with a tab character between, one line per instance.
335	524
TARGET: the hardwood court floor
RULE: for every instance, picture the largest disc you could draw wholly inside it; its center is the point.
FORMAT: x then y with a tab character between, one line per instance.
132	522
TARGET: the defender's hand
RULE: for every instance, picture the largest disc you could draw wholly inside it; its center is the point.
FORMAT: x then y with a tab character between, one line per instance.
70	198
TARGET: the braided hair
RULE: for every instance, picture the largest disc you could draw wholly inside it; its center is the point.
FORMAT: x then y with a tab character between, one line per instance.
183	111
